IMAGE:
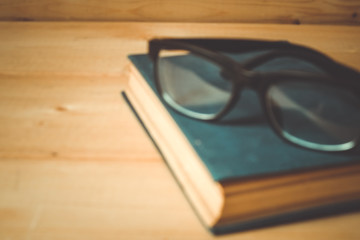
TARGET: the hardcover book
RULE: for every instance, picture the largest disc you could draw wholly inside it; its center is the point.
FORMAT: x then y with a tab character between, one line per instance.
237	174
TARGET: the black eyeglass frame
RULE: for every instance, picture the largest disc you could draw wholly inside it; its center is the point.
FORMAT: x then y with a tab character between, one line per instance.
242	76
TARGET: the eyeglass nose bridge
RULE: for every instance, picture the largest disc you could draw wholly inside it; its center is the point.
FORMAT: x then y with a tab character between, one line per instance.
243	77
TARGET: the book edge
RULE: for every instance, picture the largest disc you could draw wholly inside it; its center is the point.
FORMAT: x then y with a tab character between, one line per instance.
210	211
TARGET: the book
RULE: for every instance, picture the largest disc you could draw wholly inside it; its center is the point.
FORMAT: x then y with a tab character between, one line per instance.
238	174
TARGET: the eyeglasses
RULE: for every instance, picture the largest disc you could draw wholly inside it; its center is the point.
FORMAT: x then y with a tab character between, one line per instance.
308	99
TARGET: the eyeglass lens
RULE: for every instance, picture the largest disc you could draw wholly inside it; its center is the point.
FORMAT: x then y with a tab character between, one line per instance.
314	114
192	83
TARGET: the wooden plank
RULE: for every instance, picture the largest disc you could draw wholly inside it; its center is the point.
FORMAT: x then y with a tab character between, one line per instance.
74	162
241	11
101	48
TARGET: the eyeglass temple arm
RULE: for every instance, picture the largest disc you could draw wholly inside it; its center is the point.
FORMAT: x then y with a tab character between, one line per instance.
326	64
228	45
279	48
224	45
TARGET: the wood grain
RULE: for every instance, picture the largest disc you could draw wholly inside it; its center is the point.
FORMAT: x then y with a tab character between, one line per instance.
74	162
241	11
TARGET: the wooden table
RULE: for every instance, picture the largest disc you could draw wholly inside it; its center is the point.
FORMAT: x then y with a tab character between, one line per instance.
74	162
